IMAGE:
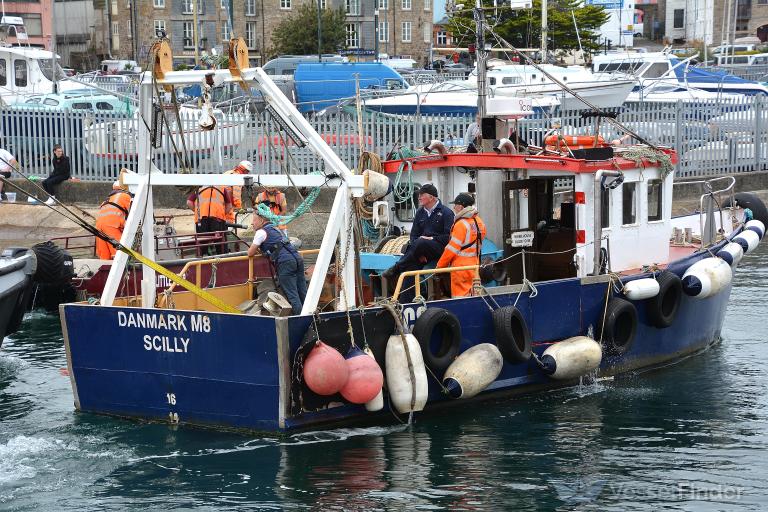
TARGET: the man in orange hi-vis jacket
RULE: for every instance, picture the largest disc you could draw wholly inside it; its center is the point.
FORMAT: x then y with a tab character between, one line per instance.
463	248
244	167
111	219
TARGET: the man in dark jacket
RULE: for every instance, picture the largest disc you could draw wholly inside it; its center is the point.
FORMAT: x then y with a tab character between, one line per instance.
61	172
429	235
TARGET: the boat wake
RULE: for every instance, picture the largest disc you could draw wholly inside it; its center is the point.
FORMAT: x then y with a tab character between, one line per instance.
341	434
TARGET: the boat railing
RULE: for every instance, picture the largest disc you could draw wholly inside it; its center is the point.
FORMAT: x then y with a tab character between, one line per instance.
163	298
427	271
709	191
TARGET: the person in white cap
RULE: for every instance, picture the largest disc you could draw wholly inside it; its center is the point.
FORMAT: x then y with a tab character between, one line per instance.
244	167
111	219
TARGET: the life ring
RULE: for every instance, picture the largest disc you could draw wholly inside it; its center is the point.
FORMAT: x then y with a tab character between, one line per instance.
512	335
662	309
563	142
751	201
619	326
441	348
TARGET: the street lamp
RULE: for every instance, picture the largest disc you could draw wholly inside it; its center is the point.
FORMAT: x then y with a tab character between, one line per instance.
376	35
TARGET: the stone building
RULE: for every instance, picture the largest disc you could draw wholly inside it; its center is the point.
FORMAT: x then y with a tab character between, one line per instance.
404	26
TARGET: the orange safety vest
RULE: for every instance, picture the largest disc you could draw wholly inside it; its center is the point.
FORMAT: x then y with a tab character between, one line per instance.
210	202
114	210
463	249
275	201
237	201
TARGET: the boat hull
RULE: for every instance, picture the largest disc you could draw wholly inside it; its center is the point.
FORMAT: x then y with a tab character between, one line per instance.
235	371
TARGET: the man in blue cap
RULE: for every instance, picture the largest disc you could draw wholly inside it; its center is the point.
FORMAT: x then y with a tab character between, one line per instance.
429	235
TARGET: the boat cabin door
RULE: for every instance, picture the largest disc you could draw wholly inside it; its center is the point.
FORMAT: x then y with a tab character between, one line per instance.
539	220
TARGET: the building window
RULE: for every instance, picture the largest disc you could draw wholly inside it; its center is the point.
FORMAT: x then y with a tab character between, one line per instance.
20	73
383	4
427	5
442	38
159	4
189	35
405	31
352	37
285	4
250	34
679	18
250	7
427	27
189	5
654	200
323	4
383	32
128	30
115	28
629	203
225	36
405	5
159	27
353	7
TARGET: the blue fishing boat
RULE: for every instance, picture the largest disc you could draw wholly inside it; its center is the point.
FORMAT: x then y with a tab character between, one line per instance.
591	276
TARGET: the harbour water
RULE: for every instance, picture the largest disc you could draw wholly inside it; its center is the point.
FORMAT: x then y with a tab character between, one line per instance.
692	436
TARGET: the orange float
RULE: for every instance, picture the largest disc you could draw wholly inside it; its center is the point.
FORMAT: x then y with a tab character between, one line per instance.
564	142
325	370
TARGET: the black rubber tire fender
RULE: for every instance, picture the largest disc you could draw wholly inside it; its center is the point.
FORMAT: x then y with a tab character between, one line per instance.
54	264
662	309
751	201
620	328
513	338
449	328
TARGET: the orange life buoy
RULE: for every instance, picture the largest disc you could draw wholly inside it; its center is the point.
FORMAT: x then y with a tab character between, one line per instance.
563	142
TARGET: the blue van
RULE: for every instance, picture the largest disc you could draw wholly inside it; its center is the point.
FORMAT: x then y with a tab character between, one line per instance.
319	86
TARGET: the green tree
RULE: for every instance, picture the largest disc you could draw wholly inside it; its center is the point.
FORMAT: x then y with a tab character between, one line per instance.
297	34
522	28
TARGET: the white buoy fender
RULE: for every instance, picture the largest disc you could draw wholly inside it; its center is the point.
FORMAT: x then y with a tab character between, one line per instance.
731	253
748	240
399	382
641	289
707	277
572	358
473	371
756	226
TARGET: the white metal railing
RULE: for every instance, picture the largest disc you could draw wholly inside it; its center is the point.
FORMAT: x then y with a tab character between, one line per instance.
712	137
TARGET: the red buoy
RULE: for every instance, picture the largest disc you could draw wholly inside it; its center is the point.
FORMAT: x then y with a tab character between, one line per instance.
325	370
365	377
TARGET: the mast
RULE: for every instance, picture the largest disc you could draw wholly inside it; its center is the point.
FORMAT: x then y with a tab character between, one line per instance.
543	31
480	53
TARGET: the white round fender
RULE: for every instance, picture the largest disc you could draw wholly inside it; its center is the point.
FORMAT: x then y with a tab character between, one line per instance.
731	253
572	358
399	384
707	277
473	371
756	226
748	240
641	289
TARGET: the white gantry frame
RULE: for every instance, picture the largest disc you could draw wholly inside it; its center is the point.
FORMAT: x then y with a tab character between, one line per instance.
348	185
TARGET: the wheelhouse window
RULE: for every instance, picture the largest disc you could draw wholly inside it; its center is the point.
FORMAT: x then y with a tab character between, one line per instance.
654	200
605	207
406	209
629	203
20	72
3	72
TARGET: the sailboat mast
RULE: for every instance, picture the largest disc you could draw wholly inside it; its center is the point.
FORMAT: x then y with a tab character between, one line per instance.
543	31
481	57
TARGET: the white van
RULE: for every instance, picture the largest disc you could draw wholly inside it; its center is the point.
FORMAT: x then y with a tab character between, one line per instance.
110	67
757	59
730	49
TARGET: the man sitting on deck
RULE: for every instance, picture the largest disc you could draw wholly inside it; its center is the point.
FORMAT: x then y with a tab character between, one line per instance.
429	235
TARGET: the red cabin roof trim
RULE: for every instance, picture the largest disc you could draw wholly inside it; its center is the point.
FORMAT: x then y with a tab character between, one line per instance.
533	162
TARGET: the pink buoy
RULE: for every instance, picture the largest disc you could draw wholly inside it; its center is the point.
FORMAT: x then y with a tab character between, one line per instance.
325	370
365	377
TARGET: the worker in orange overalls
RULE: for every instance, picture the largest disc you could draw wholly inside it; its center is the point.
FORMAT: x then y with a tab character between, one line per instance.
463	248
275	199
111	219
211	205
244	167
